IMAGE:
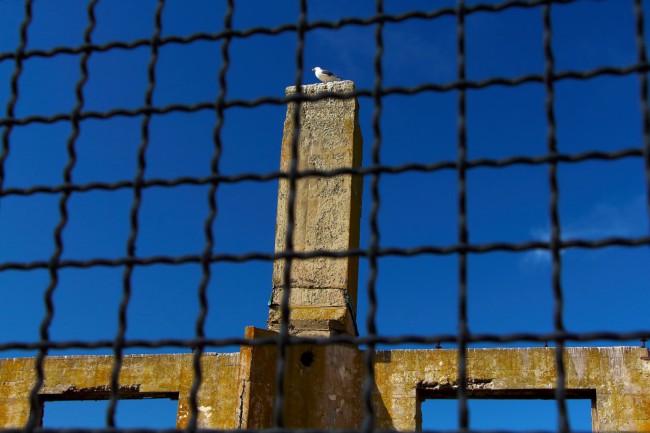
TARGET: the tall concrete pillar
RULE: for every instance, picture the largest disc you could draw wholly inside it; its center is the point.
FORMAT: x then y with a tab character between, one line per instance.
323	295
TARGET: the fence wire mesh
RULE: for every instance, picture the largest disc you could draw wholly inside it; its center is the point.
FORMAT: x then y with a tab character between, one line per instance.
554	157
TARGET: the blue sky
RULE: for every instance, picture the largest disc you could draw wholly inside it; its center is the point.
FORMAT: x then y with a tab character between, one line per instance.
605	289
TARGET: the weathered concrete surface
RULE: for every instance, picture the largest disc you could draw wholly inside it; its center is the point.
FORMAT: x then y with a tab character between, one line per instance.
615	378
327	213
88	377
256	382
324	383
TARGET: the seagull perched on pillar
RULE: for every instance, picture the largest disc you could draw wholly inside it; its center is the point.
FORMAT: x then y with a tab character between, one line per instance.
324	75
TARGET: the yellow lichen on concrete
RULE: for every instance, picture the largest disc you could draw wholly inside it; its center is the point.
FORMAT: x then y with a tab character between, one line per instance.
217	397
151	376
615	378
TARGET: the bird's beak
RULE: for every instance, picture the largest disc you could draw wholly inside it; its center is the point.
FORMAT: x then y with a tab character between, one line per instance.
313	69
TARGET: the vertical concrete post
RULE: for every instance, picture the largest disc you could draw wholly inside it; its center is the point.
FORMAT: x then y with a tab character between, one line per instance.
17	378
323	290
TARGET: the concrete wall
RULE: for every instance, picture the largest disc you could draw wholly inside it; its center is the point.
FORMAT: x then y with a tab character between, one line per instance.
616	378
324	383
88	378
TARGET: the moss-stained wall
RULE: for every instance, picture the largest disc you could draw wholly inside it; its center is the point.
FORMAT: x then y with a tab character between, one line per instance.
88	377
324	384
617	378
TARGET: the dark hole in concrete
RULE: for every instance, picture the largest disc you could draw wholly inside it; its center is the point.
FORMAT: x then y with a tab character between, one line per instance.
307	358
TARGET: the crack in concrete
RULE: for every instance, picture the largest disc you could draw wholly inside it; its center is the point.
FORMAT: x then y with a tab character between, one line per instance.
241	403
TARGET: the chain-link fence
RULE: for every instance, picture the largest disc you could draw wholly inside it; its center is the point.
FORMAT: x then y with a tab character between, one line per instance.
372	170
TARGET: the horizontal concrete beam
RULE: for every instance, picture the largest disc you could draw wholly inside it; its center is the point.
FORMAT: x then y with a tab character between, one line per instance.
324	384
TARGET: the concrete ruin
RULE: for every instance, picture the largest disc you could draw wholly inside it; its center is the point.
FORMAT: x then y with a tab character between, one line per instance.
324	384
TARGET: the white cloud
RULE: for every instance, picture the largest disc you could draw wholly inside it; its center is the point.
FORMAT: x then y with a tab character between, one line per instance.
601	221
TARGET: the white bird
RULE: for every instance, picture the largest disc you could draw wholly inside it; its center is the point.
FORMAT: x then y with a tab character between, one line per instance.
324	75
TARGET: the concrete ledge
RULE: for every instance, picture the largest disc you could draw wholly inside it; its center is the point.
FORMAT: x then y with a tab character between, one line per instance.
344	86
315	321
324	383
